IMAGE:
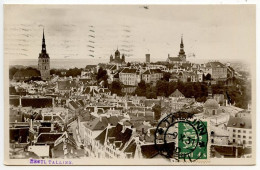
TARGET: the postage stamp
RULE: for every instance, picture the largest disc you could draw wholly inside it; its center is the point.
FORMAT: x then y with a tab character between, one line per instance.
182	138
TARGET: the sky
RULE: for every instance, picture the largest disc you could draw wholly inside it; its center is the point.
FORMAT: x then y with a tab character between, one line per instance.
211	32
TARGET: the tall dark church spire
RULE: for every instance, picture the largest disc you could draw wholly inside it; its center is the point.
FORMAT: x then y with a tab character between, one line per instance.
182	52
44	61
43	43
182	45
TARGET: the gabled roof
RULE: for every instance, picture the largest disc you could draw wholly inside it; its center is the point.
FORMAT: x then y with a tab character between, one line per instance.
174	59
129	70
152	71
98	124
131	148
215	64
74	105
48	137
176	93
116	136
66	85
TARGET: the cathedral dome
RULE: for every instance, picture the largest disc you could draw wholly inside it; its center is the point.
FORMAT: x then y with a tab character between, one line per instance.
211	104
117	52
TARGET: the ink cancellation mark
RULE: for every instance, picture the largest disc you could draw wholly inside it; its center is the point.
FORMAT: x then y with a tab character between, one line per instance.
179	137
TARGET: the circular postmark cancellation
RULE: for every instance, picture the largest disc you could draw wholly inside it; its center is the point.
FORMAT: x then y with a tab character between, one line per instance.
180	137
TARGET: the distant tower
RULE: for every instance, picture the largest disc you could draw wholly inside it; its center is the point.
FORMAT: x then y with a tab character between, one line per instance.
182	54
111	58
147	58
123	58
44	61
117	55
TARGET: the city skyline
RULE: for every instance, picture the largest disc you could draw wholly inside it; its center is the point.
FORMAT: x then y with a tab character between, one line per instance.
74	94
97	31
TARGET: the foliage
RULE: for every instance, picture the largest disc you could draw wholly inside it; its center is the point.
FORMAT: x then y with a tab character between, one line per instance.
12	71
208	77
157	111
239	92
166	76
116	88
73	72
102	76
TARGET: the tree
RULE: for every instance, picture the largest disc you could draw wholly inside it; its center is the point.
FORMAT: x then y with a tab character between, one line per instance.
208	77
157	112
166	76
151	95
162	88
101	75
128	64
116	88
73	72
12	71
141	89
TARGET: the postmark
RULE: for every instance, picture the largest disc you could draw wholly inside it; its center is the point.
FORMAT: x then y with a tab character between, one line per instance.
182	138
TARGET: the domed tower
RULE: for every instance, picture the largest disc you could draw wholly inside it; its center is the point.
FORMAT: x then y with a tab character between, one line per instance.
182	54
44	61
211	107
117	55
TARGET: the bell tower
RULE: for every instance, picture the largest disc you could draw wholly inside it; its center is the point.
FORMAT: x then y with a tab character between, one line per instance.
182	54
44	61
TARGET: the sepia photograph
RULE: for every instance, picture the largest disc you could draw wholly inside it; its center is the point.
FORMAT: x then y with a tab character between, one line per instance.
129	84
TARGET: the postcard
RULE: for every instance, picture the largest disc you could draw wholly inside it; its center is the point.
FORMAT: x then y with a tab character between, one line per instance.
130	84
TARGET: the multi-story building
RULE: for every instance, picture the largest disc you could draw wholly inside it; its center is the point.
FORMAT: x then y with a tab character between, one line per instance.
240	131
152	75
93	129
216	69
188	76
129	77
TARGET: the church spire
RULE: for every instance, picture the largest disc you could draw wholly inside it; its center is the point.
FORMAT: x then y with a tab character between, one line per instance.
182	45
182	52
43	43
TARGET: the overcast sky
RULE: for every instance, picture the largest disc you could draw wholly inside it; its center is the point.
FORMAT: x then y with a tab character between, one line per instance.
212	32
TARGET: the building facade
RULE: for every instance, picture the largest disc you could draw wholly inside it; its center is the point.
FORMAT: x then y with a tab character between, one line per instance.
129	77
44	61
152	75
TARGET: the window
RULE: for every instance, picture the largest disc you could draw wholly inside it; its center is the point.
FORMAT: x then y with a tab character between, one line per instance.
234	130
234	136
234	140
244	142
238	136
250	132
244	131
239	131
250	142
250	137
244	137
